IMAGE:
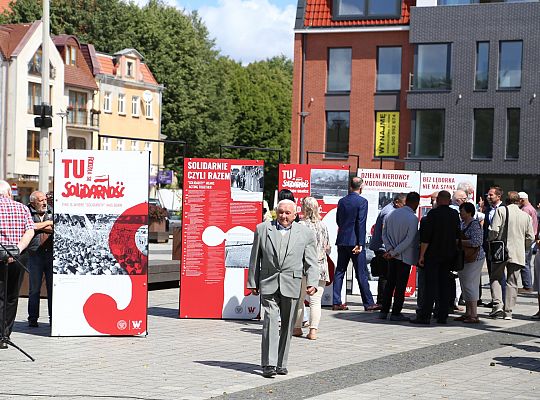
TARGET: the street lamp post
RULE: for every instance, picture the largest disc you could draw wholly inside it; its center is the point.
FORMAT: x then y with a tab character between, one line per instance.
62	115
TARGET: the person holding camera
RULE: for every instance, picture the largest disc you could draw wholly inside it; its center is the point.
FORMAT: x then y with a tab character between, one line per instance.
16	229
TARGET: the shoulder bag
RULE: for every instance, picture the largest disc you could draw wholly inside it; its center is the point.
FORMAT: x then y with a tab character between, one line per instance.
470	253
498	251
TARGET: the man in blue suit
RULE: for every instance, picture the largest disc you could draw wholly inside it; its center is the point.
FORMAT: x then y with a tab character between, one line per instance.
351	239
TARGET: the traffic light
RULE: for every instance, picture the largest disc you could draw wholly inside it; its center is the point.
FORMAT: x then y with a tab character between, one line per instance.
44	120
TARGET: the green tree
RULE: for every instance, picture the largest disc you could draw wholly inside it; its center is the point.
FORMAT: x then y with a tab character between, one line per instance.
208	99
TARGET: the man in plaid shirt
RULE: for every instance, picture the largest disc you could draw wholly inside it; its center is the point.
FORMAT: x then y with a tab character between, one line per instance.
16	228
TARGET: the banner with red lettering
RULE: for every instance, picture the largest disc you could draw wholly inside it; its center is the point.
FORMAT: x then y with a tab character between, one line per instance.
327	184
222	205
100	243
435	182
380	187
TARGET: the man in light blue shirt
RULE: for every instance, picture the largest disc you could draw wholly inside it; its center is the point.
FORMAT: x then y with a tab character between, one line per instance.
401	241
377	246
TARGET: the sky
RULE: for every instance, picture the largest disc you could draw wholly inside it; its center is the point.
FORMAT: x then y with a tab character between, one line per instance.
247	30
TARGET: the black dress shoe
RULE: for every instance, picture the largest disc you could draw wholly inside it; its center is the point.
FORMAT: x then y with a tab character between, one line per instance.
441	321
269	372
33	324
419	321
282	371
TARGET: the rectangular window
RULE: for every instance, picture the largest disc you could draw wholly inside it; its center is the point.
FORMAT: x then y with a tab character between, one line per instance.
32	145
455	2
510	57
120	145
130	66
135	106
148	109
512	133
428	134
34	96
432	67
134	146
122	104
384	8
106	144
483	133
339	69
337	133
71	55
78	113
364	9
76	142
107	102
482	66
388	69
148	146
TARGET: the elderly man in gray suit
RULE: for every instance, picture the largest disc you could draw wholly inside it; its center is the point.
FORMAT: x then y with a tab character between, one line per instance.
283	251
518	238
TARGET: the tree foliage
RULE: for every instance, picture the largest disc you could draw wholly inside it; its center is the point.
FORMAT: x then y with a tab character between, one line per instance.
208	99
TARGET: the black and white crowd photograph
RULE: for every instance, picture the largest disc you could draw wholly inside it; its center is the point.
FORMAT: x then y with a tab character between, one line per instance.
81	245
329	182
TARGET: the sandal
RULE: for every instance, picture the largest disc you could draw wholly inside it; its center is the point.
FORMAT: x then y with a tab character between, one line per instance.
312	335
462	317
298	332
471	320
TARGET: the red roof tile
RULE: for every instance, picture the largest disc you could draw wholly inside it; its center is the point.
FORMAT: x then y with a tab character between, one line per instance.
318	14
79	77
4	4
107	67
147	75
10	37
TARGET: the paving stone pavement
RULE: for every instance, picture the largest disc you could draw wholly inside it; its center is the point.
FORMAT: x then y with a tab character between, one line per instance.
357	356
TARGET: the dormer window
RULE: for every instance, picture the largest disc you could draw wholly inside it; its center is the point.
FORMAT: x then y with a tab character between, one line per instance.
366	9
130	69
71	55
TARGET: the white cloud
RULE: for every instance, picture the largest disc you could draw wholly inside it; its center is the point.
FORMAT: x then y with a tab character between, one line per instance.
250	30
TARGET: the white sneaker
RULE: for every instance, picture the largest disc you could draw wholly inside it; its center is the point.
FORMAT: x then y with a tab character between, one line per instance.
508	316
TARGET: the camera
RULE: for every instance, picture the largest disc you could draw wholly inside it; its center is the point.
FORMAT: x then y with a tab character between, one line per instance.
7	251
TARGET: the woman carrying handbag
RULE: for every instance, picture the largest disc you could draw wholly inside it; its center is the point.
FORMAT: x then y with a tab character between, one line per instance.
469	277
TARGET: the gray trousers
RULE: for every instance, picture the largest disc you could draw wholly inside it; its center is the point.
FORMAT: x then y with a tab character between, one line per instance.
275	341
495	279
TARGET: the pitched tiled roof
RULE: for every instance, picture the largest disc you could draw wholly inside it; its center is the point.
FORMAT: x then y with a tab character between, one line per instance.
11	36
148	77
79	75
318	14
4	4
107	67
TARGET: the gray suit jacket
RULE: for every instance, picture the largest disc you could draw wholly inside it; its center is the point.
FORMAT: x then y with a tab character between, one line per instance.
520	232
268	275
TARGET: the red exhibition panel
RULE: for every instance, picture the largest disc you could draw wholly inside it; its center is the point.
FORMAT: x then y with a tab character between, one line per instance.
222	205
327	184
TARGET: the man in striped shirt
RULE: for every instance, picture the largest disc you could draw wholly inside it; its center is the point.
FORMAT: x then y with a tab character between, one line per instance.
16	228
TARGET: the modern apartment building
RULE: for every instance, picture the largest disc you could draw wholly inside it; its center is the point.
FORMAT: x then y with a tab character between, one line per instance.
442	86
474	89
